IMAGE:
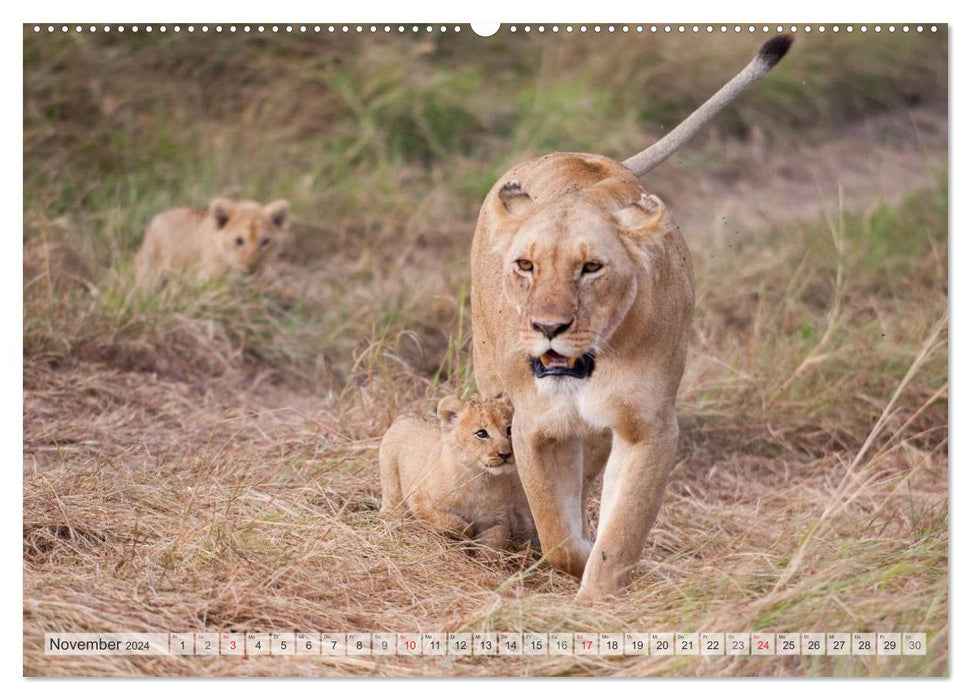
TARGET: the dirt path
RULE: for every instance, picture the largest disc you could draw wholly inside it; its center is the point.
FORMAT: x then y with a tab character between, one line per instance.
756	185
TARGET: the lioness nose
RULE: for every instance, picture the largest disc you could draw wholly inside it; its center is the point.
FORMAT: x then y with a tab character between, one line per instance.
551	330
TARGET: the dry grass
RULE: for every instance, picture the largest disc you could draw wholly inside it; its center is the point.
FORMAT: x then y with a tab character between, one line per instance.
206	460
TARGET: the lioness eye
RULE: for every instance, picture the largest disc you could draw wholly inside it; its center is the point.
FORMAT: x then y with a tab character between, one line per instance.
481	434
592	266
508	431
525	265
265	242
239	240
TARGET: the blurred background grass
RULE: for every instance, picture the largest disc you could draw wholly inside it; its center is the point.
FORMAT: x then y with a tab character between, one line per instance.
386	145
815	208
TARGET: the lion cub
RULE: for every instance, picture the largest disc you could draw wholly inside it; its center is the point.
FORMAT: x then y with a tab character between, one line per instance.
458	475
228	238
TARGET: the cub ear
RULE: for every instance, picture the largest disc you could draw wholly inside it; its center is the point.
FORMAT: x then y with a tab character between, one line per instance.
514	199
220	209
641	216
278	211
449	408
504	401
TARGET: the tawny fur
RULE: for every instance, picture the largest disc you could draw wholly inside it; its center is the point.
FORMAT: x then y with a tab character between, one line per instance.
229	238
458	482
559	212
571	255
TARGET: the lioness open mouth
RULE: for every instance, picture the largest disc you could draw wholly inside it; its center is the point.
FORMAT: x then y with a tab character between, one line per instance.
553	364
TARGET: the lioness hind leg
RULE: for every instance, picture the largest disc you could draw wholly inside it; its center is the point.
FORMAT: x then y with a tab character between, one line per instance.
596	451
634	482
522	528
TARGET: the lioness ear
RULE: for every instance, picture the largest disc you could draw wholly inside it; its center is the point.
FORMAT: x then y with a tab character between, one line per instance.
220	209
449	408
278	211
642	215
514	200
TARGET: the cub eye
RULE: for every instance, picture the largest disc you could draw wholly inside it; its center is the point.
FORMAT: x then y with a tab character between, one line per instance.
525	265
481	434
508	431
591	267
265	242
239	240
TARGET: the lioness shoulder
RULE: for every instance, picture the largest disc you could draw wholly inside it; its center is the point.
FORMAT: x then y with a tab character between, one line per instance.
456	473
227	238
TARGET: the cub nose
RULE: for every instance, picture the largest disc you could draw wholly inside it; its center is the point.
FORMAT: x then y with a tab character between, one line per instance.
551	330
505	456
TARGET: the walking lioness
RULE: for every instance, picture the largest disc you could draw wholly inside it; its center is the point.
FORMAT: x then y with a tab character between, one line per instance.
582	297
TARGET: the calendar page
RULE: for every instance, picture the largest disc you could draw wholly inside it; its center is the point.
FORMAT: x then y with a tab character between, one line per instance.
451	350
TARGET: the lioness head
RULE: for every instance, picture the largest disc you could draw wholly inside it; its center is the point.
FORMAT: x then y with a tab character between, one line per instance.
479	432
247	232
570	269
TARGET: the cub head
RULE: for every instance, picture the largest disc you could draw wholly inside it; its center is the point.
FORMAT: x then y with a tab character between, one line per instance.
478	432
570	269
246	232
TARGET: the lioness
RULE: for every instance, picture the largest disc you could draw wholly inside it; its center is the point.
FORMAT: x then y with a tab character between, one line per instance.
457	474
582	297
228	238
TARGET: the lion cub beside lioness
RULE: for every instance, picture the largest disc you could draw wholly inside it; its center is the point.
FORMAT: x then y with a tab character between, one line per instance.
457	474
225	239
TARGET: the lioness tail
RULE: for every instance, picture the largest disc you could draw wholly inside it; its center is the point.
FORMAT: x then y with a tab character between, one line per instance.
771	53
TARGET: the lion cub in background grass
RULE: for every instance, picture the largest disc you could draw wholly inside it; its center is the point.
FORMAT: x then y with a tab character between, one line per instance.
457	474
227	239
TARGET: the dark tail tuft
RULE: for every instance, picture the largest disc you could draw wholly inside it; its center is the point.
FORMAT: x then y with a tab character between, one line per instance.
775	48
